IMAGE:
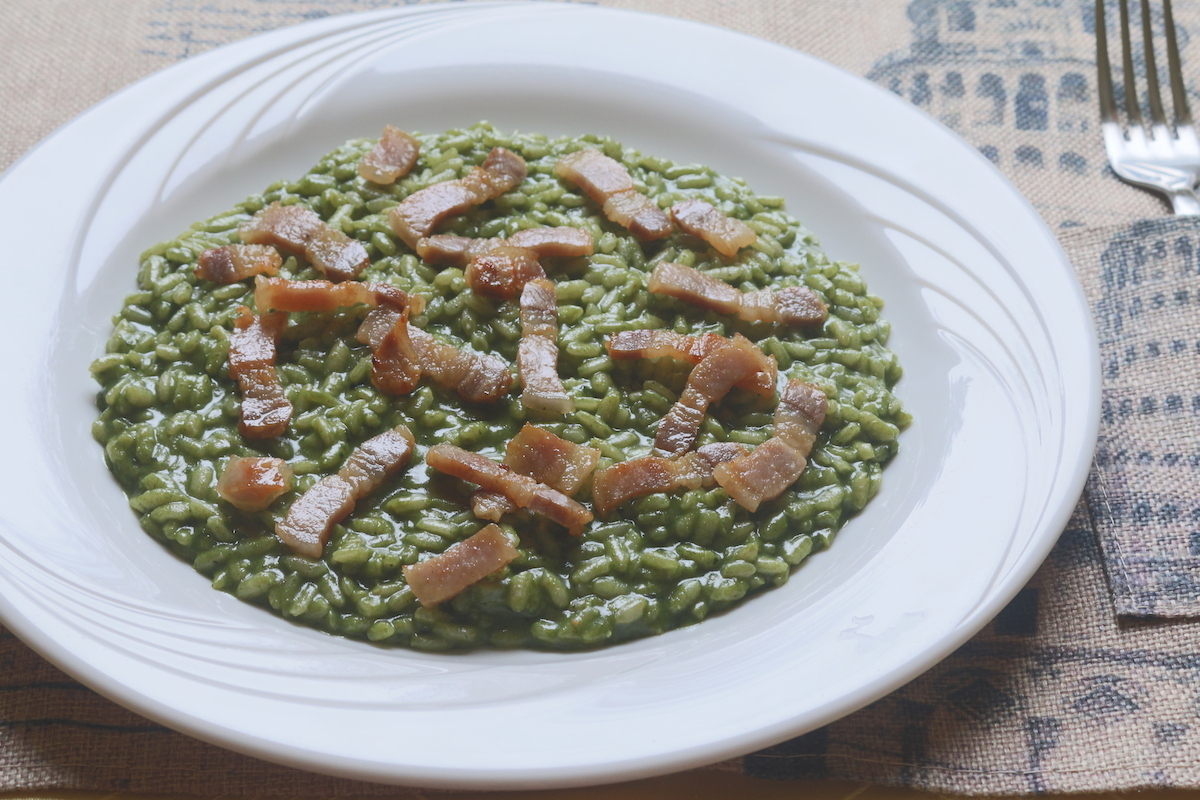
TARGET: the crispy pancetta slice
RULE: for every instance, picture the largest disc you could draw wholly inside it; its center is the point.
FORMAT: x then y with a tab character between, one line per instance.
537	352
522	490
281	294
476	377
423	210
252	483
726	234
608	183
766	471
709	381
300	231
395	363
237	262
650	474
546	458
392	157
794	305
501	267
335	255
550	459
253	348
286	227
441	577
661	343
307	525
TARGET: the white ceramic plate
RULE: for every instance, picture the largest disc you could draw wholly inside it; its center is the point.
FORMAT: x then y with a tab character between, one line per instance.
989	322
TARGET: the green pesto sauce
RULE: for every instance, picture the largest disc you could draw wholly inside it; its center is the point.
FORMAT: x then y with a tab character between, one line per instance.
169	412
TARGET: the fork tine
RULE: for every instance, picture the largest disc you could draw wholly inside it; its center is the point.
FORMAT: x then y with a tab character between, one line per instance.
1183	114
1157	117
1132	110
1104	84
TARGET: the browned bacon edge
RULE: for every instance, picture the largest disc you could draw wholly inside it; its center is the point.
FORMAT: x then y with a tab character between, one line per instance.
252	483
476	377
253	349
392	157
537	352
440	577
501	267
308	523
522	490
546	458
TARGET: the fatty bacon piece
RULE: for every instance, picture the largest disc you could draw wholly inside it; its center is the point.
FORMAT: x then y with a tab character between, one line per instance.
501	267
236	262
649	474
307	525
546	458
606	181
726	234
537	353
441	577
253	348
709	381
522	490
252	483
766	471
299	231
794	305
423	210
625	345
395	363
281	294
477	378
392	157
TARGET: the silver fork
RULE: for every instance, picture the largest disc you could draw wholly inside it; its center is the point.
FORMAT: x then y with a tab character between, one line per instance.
1164	161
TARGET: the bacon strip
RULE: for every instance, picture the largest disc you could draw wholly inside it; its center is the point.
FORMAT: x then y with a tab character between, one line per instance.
286	227
522	490
441	577
307	525
281	294
336	255
253	348
476	377
709	381
252	483
395	363
607	182
773	466
649	474
794	305
546	458
237	262
624	345
422	211
392	157
537	352
501	267
298	230
726	234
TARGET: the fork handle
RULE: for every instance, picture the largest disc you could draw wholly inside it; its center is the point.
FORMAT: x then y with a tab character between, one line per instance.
1185	203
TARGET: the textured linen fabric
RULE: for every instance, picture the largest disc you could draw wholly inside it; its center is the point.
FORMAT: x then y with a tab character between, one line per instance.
1080	684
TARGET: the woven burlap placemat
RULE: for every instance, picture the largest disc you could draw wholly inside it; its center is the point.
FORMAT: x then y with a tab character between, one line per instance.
1060	692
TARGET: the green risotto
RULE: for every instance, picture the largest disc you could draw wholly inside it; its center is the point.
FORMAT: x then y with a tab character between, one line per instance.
169	411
